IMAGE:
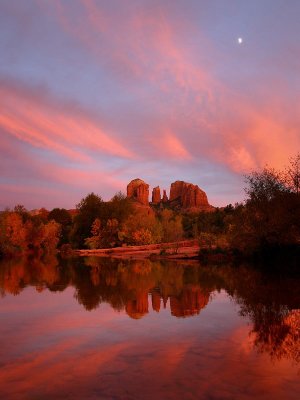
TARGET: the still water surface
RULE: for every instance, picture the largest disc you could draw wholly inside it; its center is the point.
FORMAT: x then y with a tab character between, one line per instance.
101	329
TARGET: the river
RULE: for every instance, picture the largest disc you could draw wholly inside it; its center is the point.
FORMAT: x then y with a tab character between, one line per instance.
95	328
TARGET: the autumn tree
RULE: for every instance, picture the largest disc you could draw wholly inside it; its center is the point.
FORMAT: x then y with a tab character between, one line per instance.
20	237
103	236
12	233
171	226
22	211
51	235
94	241
141	228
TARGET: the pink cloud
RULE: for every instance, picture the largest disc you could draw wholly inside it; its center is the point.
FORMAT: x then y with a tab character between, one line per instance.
166	101
207	118
47	124
171	146
243	133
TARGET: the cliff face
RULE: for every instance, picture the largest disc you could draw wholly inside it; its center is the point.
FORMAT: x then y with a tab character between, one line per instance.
165	197
156	198
138	190
188	195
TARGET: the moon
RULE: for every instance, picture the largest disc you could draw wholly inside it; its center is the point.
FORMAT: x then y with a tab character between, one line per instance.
240	40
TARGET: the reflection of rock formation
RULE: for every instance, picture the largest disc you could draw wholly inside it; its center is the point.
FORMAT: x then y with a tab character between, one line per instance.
156	198
138	190
155	297
188	195
137	308
190	302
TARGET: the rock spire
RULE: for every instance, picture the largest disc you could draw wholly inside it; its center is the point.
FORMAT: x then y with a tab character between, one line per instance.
139	190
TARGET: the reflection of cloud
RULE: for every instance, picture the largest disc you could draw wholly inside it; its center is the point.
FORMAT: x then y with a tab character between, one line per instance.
80	354
59	368
281	338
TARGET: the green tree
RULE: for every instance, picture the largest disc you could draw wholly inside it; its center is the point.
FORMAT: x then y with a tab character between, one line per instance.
270	216
264	186
119	207
89	208
62	217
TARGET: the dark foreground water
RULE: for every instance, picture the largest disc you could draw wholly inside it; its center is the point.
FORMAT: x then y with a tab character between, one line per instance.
100	329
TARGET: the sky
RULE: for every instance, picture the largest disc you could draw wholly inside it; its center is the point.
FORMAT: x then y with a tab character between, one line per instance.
95	93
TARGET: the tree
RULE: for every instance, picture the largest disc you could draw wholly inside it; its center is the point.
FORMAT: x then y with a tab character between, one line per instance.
141	226
142	236
171	226
265	185
94	242
12	234
89	208
51	234
22	211
119	207
103	236
270	217
292	174
62	217
20	237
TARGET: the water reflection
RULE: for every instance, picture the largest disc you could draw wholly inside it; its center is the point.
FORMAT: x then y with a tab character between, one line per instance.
139	287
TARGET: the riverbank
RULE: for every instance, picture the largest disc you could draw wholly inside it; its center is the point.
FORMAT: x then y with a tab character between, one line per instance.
187	249
274	258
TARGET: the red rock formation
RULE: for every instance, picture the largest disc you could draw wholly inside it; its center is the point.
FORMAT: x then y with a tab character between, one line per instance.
165	197
176	190
138	190
156	198
189	195
182	195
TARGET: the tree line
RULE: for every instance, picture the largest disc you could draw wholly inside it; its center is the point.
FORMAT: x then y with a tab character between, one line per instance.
269	217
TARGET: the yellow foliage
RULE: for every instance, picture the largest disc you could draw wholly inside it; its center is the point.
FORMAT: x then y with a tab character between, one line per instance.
142	236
